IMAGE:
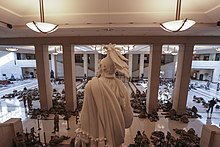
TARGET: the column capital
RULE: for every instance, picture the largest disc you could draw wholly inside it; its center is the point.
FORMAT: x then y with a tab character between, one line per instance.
67	44
187	48
188	44
156	45
38	44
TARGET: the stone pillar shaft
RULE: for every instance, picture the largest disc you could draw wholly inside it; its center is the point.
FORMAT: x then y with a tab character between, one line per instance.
54	64
69	76
174	66
85	63
96	62
141	63
130	59
43	76
182	78
153	77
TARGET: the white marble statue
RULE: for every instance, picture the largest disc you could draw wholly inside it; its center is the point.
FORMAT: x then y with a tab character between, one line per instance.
106	111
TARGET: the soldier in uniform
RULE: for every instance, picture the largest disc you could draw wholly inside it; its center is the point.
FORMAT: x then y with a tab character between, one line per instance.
56	123
211	105
19	140
29	100
25	100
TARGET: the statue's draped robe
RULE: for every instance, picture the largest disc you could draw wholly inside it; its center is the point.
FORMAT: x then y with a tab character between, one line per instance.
106	112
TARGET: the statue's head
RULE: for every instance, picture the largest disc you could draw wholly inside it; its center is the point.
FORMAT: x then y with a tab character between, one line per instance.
113	62
107	67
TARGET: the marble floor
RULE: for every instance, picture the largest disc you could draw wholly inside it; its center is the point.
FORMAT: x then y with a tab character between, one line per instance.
13	108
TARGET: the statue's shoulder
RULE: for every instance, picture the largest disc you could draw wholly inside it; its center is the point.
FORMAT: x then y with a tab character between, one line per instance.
93	84
118	81
93	81
94	78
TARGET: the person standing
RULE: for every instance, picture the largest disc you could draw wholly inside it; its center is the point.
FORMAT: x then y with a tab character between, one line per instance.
85	77
56	123
208	85
29	101
211	105
218	86
52	77
52	74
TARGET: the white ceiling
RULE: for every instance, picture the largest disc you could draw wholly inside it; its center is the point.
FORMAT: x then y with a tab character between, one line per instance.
109	17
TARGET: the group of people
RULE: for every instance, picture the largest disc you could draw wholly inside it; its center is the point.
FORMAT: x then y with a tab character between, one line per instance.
106	111
209	84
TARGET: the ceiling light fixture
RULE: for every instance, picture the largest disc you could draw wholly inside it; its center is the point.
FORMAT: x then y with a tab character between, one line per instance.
42	27
177	25
12	49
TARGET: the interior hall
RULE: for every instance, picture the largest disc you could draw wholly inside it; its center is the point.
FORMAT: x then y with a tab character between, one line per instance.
168	65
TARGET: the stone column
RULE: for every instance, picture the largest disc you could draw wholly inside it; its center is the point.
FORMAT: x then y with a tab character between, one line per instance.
216	74
43	76
141	63
153	77
23	57
175	58
212	57
54	64
130	59
15	58
85	63
69	76
96	62
182	78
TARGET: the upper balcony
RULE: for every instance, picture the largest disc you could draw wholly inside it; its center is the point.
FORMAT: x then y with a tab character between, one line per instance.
205	64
